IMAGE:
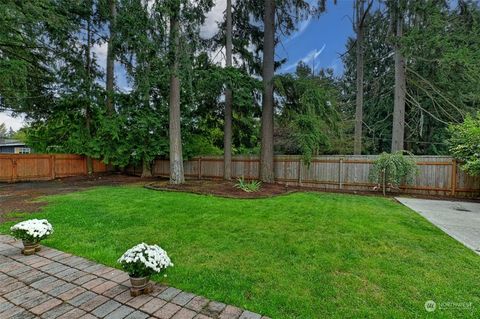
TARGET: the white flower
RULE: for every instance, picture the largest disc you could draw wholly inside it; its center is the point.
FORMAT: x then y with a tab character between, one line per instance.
36	228
150	256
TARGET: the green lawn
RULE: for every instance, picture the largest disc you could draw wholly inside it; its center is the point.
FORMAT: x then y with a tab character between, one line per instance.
304	255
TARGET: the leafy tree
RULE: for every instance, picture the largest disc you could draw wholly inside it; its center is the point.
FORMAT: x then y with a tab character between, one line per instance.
63	118
465	143
438	43
391	169
281	17
308	104
209	81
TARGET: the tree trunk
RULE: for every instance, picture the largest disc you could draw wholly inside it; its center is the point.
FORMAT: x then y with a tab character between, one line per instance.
359	6
88	120
398	131
176	157
146	169
111	59
227	139
88	69
266	156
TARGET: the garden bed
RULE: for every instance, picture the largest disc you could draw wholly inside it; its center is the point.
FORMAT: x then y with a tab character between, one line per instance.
221	188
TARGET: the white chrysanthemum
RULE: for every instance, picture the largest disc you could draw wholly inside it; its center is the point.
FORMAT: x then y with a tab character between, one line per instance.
36	228
151	256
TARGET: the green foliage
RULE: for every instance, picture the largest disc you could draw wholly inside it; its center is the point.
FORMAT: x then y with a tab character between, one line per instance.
249	187
137	269
51	71
440	44
23	235
392	169
465	143
207	115
309	115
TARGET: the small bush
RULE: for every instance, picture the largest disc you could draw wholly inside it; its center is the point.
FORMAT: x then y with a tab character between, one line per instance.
390	170
249	187
465	144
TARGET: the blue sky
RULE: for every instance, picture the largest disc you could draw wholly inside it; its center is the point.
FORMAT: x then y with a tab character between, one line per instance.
323	37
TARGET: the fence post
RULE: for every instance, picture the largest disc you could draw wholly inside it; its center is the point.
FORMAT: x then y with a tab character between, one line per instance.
86	166
454	177
52	166
200	168
340	173
14	170
299	172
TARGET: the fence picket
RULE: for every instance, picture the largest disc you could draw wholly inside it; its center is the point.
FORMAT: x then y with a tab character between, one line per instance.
436	175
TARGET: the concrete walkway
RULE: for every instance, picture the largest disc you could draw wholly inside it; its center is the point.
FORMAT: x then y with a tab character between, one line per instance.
460	220
53	284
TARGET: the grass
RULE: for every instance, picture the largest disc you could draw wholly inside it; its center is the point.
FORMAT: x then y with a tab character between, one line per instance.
304	255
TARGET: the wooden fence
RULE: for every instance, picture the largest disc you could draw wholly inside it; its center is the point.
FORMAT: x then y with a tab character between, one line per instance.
37	167
438	175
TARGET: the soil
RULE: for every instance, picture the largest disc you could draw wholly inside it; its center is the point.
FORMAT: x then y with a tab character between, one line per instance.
222	188
228	189
19	197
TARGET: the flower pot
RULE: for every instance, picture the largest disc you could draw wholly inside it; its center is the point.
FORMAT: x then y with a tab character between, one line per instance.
139	283
29	248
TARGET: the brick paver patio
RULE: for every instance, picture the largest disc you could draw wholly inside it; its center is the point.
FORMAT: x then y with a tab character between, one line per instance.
53	284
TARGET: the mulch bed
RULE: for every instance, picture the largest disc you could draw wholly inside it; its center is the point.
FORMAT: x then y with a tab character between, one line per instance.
221	188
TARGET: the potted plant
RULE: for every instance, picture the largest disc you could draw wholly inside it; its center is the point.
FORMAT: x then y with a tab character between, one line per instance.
31	232
142	261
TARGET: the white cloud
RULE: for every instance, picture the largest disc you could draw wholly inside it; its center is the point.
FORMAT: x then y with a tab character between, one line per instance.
307	59
100	52
301	28
10	121
210	27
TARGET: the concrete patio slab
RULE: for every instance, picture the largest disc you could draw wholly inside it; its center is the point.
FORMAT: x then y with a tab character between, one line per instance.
460	220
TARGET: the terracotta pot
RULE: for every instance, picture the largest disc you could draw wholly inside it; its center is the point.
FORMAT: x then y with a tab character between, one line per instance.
139	283
30	247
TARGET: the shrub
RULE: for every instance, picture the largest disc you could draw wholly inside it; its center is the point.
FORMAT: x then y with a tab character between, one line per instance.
390	170
32	230
465	144
144	260
249	187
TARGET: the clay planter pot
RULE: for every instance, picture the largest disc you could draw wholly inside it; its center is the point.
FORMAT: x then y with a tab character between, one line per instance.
30	247
139	283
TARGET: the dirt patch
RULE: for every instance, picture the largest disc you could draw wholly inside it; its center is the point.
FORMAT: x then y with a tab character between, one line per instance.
18	197
221	188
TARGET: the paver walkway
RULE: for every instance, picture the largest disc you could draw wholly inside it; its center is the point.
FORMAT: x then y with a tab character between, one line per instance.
53	284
